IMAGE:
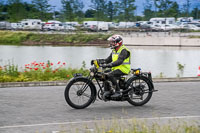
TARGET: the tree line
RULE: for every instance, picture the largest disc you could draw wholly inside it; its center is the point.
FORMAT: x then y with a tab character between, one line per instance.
99	10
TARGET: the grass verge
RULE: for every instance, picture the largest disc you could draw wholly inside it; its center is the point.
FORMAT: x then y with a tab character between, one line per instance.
28	38
133	126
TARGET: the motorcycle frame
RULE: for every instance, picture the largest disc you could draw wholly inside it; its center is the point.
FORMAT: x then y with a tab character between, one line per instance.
90	78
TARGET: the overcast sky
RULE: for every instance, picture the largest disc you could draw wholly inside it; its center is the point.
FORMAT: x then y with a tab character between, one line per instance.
139	4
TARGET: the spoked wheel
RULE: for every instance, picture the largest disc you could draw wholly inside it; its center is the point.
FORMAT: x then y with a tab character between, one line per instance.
79	93
141	91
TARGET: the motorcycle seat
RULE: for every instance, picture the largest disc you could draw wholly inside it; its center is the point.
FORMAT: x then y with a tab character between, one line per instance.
135	69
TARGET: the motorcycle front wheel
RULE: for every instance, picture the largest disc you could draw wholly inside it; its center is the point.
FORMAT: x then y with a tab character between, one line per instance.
140	91
79	93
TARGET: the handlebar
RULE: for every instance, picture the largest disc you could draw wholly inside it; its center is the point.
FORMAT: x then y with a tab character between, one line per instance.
96	64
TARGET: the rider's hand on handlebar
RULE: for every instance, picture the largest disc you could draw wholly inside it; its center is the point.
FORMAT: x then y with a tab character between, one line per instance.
101	61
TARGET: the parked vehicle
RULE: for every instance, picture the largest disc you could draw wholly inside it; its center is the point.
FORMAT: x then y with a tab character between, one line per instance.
185	19
162	21
81	91
31	24
72	23
144	25
102	26
126	24
191	27
169	27
195	23
54	21
112	25
16	26
156	27
4	25
96	25
92	28
69	27
53	26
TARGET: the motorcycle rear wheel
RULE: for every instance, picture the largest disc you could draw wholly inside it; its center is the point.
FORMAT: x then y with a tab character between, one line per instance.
141	91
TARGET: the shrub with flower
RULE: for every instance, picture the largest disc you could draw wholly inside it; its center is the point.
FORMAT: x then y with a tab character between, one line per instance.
39	71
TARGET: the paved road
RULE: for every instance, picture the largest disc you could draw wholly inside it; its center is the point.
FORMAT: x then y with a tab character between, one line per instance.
33	109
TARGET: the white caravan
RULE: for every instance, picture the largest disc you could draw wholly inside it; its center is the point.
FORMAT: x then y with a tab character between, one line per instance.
185	19
99	25
112	24
72	23
53	25
126	24
102	26
4	25
16	26
31	24
89	23
163	21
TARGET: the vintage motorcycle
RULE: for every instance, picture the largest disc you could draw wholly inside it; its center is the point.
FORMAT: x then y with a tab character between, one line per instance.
81	91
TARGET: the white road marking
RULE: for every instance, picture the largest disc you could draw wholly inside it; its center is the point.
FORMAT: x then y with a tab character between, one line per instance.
92	121
55	131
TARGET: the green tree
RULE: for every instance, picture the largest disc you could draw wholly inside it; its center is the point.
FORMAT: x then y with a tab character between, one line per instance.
90	13
43	8
148	12
2	11
16	10
72	9
67	10
31	10
173	11
195	13
99	6
110	11
127	7
117	12
166	8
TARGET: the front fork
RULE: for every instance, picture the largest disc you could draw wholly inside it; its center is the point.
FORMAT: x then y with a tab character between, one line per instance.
85	86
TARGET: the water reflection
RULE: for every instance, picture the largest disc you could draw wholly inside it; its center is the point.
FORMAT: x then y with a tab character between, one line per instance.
154	59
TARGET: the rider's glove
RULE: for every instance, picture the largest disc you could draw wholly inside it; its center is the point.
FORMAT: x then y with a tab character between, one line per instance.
106	65
101	61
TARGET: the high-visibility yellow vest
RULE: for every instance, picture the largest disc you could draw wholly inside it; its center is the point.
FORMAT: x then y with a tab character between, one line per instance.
125	67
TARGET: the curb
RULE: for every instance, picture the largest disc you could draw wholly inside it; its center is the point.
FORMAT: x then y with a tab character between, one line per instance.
33	84
64	83
182	79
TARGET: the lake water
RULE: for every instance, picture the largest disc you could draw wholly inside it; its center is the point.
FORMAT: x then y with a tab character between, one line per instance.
155	59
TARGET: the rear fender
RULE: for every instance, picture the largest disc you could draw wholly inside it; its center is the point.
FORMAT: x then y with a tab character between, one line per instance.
142	77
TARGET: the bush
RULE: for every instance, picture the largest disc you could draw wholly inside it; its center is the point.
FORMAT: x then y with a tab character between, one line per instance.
39	71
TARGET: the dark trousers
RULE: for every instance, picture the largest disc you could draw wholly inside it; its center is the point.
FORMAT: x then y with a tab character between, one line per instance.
112	75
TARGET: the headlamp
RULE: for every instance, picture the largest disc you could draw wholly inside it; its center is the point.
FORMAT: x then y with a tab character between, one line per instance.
91	74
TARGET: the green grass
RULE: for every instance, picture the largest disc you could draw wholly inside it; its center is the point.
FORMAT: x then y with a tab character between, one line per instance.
9	37
194	36
132	126
13	37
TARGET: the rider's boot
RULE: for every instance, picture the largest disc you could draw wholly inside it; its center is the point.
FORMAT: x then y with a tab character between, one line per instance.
105	95
117	93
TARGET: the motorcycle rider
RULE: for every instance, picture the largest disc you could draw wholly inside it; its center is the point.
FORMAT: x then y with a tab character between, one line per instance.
119	61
